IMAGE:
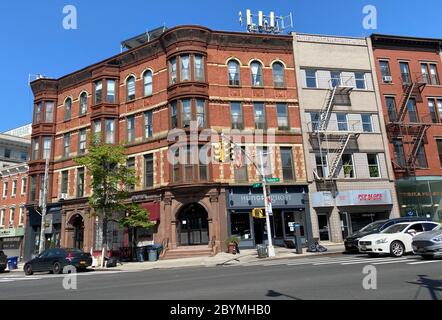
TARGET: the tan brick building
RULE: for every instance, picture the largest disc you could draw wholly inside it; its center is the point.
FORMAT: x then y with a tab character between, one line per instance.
220	80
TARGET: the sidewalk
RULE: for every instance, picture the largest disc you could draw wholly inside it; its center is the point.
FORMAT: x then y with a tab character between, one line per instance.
246	256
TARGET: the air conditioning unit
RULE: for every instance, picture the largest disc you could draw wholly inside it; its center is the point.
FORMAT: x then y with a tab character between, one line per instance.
387	78
63	196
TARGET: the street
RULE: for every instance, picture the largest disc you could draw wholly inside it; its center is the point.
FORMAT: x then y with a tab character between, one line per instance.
327	277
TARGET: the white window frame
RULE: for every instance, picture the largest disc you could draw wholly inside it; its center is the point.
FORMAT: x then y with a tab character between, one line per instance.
24	181
371	122
21	218
5	189
2	217
14	188
11	210
377	163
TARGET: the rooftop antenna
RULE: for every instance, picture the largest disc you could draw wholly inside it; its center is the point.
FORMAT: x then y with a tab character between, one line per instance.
270	24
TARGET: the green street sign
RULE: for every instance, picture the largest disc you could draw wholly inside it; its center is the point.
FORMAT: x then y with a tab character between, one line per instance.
273	180
257	185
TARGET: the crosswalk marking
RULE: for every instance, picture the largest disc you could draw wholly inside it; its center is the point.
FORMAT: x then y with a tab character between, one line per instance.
392	261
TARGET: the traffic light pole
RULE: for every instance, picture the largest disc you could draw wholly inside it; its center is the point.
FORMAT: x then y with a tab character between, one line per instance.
267	208
267	203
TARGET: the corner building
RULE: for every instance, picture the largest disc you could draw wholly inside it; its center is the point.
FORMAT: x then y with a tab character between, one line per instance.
221	80
351	181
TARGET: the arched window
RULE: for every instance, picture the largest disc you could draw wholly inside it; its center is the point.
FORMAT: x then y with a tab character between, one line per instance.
130	88
278	75
83	103
256	74
233	69
67	109
147	79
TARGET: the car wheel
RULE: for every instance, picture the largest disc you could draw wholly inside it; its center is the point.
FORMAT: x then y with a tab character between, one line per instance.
28	270
56	268
427	257
397	249
373	255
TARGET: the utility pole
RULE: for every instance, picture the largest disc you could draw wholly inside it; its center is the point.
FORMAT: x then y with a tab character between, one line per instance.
43	208
267	207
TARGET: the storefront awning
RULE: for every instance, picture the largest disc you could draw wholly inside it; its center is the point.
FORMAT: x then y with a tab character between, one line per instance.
154	210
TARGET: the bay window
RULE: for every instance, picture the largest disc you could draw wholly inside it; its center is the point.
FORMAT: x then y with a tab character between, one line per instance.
97	130
37	113
110	91
172	71
200	113
182	112
191	164
186	108
35	148
185	68
49	112
98	92
199	68
47	147
110	131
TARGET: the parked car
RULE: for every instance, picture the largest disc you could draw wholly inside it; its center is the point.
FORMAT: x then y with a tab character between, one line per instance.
351	242
3	261
428	244
54	260
395	240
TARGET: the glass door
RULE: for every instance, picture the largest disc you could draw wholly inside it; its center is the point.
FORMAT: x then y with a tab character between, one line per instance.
324	234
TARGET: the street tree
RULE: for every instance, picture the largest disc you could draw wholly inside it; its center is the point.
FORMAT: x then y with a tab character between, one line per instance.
106	164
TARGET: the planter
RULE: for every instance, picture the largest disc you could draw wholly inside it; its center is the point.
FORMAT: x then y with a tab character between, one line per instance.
231	248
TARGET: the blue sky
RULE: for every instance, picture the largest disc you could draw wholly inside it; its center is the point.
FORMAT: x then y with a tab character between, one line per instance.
33	39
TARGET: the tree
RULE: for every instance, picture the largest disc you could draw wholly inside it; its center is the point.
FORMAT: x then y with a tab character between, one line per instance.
136	217
110	177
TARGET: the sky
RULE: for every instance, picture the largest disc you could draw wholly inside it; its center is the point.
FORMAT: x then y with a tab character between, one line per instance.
33	40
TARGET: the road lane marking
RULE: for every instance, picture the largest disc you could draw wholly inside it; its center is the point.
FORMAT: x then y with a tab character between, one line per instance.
423	262
393	261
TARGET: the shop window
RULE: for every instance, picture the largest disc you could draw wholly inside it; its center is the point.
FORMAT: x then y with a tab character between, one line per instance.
240	225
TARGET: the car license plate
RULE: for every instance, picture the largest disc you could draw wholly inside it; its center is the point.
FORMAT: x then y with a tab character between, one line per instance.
363	247
82	262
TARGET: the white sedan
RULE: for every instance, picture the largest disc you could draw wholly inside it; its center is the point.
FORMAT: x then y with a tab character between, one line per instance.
395	240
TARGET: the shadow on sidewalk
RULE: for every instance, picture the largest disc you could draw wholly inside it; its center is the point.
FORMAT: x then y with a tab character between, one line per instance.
433	286
275	294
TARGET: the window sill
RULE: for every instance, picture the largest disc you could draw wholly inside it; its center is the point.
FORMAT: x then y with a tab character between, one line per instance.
82	115
257	87
280	88
233	86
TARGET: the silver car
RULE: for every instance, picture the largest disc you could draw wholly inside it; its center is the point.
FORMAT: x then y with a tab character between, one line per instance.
428	244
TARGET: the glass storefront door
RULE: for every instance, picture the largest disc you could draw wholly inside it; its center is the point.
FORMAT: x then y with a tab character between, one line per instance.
324	234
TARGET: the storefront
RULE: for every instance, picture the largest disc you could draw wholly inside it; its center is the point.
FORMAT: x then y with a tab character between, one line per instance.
288	205
420	196
357	208
33	227
11	242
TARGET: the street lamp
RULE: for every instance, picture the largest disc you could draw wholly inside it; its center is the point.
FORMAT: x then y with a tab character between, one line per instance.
267	203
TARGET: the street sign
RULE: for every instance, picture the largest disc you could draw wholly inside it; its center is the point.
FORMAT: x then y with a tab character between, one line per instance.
410	213
273	180
257	185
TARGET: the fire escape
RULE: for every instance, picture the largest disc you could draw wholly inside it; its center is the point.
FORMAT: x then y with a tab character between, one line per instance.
413	130
332	142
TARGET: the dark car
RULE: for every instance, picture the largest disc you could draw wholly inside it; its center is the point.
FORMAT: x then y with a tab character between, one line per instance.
351	242
3	261
54	260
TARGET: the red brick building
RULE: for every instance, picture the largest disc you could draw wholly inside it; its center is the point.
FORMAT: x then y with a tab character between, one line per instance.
220	80
408	73
13	184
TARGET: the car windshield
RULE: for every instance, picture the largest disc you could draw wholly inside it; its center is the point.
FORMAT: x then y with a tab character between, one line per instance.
374	226
439	228
395	228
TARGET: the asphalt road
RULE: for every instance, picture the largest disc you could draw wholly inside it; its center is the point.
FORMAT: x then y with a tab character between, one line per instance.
326	277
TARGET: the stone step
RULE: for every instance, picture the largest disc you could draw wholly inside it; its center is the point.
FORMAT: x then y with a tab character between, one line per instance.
187	252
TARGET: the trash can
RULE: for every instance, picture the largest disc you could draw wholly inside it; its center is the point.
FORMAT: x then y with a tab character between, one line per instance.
140	251
12	263
152	253
262	251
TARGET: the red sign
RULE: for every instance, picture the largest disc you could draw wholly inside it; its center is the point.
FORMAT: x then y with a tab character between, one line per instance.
370	196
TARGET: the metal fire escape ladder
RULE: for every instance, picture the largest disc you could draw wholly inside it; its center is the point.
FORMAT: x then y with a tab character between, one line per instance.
325	112
416	145
409	88
339	152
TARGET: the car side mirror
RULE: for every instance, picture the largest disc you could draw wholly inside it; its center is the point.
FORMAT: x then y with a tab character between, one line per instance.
411	231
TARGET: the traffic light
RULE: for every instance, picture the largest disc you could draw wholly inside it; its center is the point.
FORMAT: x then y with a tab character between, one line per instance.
258	213
218	152
233	151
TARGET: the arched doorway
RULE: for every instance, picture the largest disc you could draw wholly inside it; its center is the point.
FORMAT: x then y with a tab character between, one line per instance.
78	236
193	227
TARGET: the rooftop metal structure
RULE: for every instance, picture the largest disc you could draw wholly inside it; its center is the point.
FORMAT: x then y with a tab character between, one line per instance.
143	38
